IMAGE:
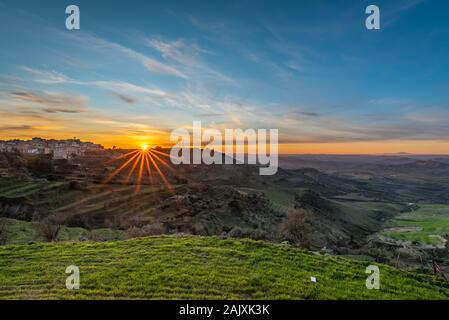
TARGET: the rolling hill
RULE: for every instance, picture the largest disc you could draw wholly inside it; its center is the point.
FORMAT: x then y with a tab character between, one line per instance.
188	267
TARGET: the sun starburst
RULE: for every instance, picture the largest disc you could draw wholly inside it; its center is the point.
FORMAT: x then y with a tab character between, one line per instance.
141	162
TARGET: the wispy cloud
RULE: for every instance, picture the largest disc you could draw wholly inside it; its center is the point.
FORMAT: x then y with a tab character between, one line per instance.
397	9
389	102
217	27
187	54
177	50
94	42
122	90
53	102
126	88
157	67
45	77
18	128
126	98
181	99
328	129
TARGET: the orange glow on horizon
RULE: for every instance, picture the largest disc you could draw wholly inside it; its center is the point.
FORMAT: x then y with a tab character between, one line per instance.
138	143
372	147
433	147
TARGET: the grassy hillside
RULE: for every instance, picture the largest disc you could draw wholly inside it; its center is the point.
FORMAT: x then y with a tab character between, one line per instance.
428	225
172	267
197	210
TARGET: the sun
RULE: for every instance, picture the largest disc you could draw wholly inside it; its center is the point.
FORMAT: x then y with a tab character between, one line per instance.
139	161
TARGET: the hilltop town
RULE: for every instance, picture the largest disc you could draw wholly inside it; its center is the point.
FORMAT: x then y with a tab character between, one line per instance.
58	149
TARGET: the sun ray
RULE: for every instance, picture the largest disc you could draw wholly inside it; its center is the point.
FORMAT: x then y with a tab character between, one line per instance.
161	153
131	171
122	156
139	177
123	166
161	174
143	159
162	161
150	172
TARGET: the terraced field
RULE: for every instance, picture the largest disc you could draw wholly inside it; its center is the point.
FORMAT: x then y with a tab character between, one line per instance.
171	267
12	188
95	203
24	232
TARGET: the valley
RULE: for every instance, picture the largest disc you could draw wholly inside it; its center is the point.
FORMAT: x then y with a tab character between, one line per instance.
330	209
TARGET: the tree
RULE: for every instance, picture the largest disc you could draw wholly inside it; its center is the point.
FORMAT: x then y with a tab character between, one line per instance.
297	228
41	165
50	227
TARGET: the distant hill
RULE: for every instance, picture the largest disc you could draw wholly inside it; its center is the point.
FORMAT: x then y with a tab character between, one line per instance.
174	267
423	165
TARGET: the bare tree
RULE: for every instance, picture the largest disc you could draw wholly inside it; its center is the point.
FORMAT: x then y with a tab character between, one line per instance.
296	227
50	227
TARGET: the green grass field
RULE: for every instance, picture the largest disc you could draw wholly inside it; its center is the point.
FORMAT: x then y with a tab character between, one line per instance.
174	267
429	225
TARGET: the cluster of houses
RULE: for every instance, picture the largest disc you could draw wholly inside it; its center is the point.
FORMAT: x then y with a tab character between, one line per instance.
59	149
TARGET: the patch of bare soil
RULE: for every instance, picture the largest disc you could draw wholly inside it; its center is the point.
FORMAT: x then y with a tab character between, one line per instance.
403	229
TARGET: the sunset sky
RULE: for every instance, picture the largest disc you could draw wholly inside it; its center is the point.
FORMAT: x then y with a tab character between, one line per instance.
138	69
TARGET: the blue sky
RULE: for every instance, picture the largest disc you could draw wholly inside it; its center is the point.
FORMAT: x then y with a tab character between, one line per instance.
138	69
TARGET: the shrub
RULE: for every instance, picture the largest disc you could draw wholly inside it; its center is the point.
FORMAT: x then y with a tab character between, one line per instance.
76	186
147	230
235	206
50	227
199	229
41	166
296	227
